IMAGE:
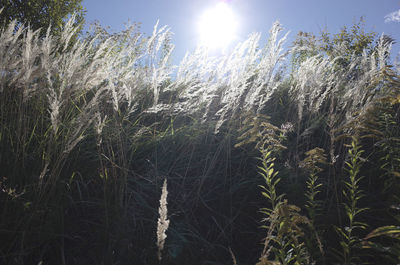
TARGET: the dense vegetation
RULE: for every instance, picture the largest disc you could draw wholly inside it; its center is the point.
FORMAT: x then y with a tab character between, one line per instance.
304	142
41	15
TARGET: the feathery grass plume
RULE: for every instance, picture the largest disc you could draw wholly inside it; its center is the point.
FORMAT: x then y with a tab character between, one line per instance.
160	68
250	84
353	85
99	125
50	84
219	88
163	222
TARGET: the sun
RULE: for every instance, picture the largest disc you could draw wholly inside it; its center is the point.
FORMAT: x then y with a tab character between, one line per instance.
217	26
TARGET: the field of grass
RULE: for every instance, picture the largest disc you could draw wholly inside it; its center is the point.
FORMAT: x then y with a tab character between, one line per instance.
109	154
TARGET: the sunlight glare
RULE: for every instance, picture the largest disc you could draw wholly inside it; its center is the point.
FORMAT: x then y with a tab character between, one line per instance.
217	26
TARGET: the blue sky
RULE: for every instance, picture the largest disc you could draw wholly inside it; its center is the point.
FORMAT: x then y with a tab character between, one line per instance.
253	16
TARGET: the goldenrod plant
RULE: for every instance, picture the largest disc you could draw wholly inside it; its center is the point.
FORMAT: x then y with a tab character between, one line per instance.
315	158
349	241
313	163
284	243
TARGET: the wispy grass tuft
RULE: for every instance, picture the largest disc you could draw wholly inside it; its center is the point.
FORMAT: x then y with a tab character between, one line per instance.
163	222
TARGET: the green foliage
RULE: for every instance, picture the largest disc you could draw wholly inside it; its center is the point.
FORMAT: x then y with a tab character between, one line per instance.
342	46
390	245
285	236
315	158
284	241
353	194
308	46
389	145
385	123
354	40
41	15
267	171
380	122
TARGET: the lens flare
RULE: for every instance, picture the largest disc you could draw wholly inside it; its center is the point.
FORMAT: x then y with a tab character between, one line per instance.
217	26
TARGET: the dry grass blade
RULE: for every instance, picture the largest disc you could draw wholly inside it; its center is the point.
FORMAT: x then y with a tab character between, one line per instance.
233	257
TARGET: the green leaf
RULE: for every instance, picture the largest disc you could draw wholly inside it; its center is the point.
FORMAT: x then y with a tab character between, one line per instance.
390	231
